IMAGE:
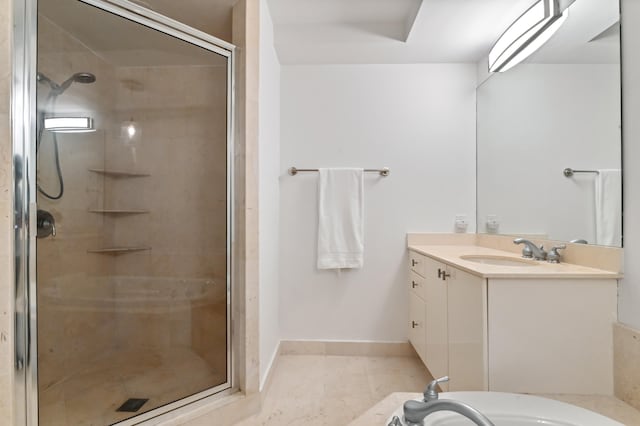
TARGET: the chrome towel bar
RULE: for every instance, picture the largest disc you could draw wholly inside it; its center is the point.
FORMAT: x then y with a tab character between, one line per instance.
383	171
568	172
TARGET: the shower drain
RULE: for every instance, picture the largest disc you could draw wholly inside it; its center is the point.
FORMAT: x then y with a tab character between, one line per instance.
132	405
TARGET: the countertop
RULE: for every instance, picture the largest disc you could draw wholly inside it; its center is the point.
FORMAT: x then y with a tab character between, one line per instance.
451	255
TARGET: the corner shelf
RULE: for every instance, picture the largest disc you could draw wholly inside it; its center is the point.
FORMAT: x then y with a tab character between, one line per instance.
118	211
119	173
119	250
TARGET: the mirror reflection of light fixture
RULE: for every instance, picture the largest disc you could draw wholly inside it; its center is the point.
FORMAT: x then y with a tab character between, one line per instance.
69	124
526	35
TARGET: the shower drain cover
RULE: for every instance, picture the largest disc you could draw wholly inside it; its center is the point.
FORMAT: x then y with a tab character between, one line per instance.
132	405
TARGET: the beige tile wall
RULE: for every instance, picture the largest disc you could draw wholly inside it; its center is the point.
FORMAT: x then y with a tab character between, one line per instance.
72	333
180	113
626	369
6	254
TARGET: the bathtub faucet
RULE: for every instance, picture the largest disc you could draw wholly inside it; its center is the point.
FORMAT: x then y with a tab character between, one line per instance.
416	411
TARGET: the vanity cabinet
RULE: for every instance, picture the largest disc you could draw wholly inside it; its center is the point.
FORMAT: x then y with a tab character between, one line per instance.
449	308
512	334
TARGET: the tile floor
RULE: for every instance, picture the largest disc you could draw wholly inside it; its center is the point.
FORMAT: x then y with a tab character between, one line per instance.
323	390
91	396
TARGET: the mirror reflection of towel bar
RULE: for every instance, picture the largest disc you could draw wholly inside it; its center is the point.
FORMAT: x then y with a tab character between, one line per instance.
568	172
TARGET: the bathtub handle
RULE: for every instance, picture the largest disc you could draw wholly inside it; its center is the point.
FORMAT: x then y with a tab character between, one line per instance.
430	393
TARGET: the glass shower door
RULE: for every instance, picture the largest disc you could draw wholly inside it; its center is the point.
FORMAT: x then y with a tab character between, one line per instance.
133	216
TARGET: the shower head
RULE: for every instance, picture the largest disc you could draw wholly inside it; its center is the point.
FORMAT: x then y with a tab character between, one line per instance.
79	77
58	89
84	77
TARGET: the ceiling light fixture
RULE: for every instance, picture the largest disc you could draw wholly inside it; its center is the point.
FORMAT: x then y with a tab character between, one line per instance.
69	124
526	35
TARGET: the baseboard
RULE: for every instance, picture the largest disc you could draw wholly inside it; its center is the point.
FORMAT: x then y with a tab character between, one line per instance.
346	348
268	377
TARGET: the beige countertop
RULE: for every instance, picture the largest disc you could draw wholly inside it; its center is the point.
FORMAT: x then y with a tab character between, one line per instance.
451	255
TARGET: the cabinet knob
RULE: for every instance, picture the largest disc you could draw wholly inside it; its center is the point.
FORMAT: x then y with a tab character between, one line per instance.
414	324
414	284
414	262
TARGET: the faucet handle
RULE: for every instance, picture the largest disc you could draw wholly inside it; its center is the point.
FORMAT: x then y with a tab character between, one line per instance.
553	256
430	393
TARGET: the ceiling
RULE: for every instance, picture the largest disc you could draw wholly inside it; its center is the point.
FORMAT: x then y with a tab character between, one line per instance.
376	31
211	16
424	31
354	31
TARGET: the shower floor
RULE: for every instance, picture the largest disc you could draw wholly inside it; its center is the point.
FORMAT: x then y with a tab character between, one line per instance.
92	396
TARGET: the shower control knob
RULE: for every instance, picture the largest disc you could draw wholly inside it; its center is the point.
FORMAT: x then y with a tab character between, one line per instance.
46	224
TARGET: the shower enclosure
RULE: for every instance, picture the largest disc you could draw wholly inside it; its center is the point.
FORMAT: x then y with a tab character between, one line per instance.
124	184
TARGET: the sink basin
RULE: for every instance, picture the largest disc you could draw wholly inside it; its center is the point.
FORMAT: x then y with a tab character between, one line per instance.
498	260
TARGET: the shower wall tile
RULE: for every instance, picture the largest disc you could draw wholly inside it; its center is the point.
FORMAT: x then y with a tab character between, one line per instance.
180	113
75	302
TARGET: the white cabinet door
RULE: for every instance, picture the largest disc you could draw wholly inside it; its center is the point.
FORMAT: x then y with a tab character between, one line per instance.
417	324
467	325
551	335
436	347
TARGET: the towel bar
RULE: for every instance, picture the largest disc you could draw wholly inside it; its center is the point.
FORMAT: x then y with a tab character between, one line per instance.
383	171
568	172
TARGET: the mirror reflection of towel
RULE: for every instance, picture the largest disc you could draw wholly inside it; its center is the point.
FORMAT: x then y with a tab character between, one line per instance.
608	197
341	218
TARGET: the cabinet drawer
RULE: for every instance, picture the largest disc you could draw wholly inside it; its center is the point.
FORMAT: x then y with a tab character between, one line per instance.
416	284
417	262
417	332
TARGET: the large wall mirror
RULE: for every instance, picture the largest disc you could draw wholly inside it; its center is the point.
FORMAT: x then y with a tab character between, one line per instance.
549	135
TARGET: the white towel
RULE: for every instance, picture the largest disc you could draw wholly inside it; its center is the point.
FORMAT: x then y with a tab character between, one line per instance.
608	197
341	218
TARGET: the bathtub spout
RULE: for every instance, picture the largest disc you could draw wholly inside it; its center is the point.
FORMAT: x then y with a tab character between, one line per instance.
416	411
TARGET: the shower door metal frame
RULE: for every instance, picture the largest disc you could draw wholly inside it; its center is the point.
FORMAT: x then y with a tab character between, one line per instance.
23	131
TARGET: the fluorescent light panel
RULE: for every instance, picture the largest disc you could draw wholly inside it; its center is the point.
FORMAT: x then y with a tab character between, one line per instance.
69	124
526	35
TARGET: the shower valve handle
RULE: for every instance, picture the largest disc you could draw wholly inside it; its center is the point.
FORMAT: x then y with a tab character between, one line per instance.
46	224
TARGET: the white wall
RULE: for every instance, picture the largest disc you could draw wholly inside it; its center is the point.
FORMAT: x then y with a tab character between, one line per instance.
533	122
629	291
419	120
269	165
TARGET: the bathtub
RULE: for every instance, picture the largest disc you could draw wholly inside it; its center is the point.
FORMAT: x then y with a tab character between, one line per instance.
509	409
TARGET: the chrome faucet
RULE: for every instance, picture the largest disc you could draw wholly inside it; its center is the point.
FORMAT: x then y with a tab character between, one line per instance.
416	411
531	250
553	256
